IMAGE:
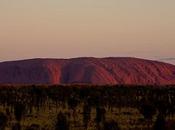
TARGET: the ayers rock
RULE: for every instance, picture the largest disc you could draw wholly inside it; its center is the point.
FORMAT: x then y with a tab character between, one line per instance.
96	71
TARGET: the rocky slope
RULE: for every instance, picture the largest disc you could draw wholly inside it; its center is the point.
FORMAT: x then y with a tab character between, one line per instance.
97	71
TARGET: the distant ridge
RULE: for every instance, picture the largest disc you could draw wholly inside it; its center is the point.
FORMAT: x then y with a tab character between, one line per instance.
87	70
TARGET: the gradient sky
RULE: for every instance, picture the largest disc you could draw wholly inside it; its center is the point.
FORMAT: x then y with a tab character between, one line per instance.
76	28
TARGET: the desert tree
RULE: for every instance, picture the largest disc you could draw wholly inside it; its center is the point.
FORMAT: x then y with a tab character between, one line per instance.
147	109
110	125
86	114
160	123
3	121
100	116
16	126
19	110
62	122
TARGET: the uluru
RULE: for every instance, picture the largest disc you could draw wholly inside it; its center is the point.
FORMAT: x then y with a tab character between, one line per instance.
87	70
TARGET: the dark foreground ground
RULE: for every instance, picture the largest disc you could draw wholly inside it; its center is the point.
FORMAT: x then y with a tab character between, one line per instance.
79	107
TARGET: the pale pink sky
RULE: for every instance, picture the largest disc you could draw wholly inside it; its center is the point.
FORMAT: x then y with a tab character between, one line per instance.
76	28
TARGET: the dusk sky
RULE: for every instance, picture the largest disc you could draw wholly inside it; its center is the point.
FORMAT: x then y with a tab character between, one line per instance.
77	28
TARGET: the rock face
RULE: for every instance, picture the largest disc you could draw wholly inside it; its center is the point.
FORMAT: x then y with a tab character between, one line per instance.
96	71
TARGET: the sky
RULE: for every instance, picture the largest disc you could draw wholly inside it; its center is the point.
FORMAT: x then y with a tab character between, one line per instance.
91	28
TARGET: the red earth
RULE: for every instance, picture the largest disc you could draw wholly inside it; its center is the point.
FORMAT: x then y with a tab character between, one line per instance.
96	71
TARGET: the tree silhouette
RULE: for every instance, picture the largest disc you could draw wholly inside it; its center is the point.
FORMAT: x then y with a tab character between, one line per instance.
16	126
19	111
111	125
160	123
62	123
100	116
3	121
147	109
86	114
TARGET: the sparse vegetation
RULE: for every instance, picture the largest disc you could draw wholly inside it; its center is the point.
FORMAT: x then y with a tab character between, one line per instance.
79	107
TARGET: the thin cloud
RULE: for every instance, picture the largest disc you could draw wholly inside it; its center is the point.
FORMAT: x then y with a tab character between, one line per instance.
168	59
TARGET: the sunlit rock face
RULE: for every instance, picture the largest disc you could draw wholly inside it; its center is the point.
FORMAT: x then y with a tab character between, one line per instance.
96	71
